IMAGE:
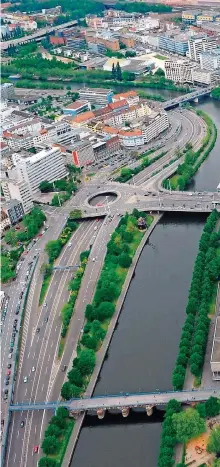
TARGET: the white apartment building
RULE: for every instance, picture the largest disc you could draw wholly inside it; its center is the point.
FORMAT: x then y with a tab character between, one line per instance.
134	112
17	189
210	60
198	45
156	124
203	77
179	71
47	164
147	23
96	96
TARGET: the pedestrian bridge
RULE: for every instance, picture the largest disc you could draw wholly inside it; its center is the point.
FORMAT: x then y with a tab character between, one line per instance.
187	97
122	401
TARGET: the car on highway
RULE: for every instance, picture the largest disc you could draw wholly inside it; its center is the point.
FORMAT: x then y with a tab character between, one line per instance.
8	372
37	330
64	367
6	382
25	379
36	449
45	304
17	309
70	244
46	319
33	368
5	397
10	355
9	365
22	424
15	321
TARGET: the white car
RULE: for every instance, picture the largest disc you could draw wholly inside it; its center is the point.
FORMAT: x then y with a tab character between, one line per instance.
95	228
33	368
93	259
25	379
70	244
10	355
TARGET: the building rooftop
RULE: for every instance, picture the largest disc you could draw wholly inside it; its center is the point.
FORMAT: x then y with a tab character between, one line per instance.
76	105
84	117
10	204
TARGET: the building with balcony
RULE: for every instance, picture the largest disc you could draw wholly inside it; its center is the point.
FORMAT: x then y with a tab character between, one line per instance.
179	71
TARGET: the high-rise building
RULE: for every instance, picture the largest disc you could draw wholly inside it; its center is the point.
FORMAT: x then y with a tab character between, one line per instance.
174	43
199	44
17	189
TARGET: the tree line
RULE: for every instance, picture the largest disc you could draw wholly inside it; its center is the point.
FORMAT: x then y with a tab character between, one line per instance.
194	335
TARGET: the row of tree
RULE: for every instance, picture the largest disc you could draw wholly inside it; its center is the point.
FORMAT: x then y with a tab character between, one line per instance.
127	173
197	322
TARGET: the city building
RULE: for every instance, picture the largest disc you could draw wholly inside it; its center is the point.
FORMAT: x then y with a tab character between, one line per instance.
14	210
4	223
97	96
131	97
76	108
215	355
199	44
210	60
127	40
179	71
82	153
15	188
76	42
174	43
7	91
47	164
194	16
203	77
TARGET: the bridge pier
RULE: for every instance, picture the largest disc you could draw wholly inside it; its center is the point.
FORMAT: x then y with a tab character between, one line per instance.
125	411
149	410
196	100
101	413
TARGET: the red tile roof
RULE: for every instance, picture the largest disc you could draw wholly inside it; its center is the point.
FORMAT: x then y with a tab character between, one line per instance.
83	117
117	105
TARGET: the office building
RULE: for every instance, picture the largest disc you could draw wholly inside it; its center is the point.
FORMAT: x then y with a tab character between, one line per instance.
17	189
97	96
179	71
7	91
210	60
199	44
47	164
14	210
174	43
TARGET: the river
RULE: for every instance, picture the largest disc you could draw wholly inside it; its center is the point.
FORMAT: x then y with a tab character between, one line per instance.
144	346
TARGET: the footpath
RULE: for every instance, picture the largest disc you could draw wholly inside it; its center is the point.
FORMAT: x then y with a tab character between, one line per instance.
100	356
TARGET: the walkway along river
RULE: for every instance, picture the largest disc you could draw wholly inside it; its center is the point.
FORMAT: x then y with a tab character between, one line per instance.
144	346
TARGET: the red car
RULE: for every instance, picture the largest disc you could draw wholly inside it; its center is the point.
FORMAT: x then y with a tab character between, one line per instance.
36	449
40	235
8	372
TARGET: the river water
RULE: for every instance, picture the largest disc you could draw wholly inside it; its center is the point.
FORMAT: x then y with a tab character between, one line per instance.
144	346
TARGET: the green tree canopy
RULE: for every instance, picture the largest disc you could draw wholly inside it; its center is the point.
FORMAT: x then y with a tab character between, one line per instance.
214	441
188	424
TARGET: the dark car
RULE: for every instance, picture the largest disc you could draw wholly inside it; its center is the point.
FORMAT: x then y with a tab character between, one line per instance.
22	424
17	310
46	319
15	321
9	366
5	391
38	330
21	295
64	367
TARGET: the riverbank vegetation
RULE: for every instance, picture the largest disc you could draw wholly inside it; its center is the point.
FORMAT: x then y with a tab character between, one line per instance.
193	159
120	251
19	240
194	335
216	93
180	426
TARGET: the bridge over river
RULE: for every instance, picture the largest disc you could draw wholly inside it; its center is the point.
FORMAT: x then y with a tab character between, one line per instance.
191	96
122	401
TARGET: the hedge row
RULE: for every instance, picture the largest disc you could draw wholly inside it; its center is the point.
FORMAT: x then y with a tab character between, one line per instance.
54	247
168	436
196	324
74	286
56	431
127	173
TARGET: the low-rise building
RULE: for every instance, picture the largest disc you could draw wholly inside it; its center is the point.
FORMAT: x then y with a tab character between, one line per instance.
4	222
174	43
76	108
210	60
7	91
14	210
130	96
203	77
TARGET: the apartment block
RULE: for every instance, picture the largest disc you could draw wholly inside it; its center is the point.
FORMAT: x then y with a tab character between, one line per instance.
203	77
174	43
210	60
7	91
17	189
97	96
14	210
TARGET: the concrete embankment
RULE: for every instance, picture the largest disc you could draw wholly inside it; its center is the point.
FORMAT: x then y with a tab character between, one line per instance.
100	356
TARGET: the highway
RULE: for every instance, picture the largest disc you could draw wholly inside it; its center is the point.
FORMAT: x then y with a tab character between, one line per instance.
39	350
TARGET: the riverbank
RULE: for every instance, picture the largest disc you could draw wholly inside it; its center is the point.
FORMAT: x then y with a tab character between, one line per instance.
102	352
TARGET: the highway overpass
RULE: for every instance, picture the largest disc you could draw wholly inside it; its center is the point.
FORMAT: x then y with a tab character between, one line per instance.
119	401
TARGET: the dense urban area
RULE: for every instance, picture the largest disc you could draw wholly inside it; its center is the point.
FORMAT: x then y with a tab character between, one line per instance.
110	233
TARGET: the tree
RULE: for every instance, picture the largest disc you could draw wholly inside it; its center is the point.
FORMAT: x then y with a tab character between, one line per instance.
118	72
124	260
104	311
188	424
11	237
113	71
214	441
52	430
66	390
86	363
47	462
62	413
212	407
53	249
89	313
75	377
75	214
45	186
50	445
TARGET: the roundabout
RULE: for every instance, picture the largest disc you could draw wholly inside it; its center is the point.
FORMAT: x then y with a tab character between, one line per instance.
104	198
